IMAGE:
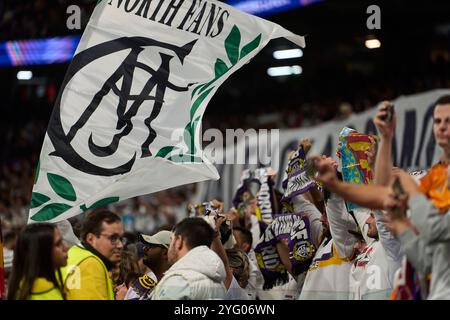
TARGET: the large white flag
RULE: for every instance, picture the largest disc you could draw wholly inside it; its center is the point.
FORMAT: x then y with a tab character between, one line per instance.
127	118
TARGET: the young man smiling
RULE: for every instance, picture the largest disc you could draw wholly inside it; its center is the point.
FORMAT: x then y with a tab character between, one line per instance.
87	276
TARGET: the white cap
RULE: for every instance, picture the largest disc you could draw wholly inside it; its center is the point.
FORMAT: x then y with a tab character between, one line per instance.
161	238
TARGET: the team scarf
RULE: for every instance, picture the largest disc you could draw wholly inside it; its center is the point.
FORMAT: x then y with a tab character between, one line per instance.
352	153
143	287
265	210
299	176
296	230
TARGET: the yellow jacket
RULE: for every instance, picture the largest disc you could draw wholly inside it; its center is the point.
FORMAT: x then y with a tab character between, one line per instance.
86	277
44	290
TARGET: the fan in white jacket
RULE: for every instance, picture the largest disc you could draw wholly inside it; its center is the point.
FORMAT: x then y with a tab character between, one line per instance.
199	275
197	272
373	270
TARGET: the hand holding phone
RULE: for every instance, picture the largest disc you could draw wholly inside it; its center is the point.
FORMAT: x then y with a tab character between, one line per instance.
389	113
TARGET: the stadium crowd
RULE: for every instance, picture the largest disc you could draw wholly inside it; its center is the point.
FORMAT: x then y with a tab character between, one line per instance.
326	235
324	239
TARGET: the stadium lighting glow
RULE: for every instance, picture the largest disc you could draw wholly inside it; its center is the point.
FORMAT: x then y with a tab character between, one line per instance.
373	43
284	71
288	54
38	51
24	75
267	7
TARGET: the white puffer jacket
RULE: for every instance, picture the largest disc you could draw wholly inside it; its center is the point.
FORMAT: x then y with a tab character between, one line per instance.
199	275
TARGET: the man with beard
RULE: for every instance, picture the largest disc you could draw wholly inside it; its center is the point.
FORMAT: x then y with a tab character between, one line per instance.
373	270
155	257
196	272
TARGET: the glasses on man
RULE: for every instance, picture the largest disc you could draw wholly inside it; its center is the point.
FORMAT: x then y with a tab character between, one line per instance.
114	238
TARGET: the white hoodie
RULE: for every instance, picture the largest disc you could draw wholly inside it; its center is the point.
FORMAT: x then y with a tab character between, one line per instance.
199	275
372	273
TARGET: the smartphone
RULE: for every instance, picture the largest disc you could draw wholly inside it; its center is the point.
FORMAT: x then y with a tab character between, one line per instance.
389	112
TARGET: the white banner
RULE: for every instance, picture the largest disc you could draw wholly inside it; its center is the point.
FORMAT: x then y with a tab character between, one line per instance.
143	72
414	144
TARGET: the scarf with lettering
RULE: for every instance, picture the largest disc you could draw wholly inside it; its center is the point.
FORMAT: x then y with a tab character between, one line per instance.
299	176
294	229
265	210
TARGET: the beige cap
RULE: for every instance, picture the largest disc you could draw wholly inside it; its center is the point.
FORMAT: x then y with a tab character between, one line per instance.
161	238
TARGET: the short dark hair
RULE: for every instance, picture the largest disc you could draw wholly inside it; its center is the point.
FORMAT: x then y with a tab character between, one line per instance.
239	261
247	236
93	222
442	100
9	236
196	231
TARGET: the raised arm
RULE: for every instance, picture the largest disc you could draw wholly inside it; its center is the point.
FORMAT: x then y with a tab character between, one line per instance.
390	243
306	208
386	129
283	252
366	196
340	223
218	248
410	230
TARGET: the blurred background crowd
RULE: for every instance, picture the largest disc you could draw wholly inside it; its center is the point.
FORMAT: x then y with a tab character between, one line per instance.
341	76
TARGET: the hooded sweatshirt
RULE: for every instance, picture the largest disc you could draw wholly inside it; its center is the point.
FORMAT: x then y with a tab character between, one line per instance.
373	270
199	275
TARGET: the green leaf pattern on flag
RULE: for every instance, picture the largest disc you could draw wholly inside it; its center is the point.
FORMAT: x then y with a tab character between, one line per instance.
231	45
199	101
165	151
220	67
38	168
100	203
38	199
249	47
50	211
62	187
